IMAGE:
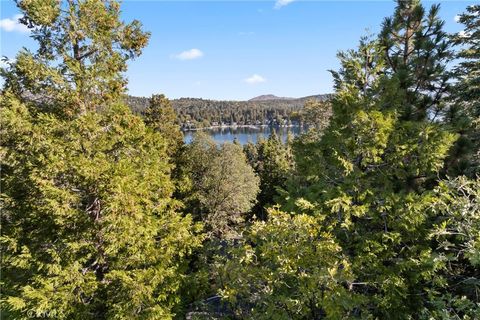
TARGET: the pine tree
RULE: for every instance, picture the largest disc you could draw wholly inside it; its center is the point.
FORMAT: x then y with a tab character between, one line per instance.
416	52
370	177
464	112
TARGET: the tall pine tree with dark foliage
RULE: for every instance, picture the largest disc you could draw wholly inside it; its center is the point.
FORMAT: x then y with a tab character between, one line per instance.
464	112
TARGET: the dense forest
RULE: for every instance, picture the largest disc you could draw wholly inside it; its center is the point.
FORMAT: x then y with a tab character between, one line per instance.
264	110
374	213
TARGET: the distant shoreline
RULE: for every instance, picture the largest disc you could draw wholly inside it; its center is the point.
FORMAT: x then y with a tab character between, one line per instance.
251	126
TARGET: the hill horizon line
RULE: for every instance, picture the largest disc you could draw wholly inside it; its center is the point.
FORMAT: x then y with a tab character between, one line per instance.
260	98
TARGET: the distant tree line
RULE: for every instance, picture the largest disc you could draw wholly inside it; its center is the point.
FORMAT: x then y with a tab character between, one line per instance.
197	113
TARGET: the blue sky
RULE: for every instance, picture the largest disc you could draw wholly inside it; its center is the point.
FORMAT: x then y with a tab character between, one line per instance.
239	49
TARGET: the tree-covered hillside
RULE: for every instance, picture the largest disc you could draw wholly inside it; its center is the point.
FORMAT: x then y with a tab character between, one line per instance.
195	113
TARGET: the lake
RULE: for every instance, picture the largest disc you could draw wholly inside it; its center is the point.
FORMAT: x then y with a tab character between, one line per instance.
244	134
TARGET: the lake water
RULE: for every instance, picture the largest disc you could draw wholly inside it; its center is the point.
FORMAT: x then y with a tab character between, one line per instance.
244	134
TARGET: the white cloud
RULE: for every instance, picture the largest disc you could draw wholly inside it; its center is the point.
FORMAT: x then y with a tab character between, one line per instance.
282	3
189	54
456	18
12	24
255	79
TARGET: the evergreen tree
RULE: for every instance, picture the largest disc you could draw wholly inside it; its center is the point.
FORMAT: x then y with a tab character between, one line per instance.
464	112
360	68
286	268
83	47
456	235
317	114
416	53
250	150
370	176
89	226
270	160
162	118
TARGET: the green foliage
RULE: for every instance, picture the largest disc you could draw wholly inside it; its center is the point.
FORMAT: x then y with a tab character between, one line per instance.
223	185
83	50
464	113
316	113
162	118
456	233
272	163
416	52
360	68
219	188
287	268
89	228
198	113
370	177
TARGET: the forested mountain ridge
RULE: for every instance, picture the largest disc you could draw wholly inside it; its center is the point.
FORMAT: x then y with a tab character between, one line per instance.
197	112
270	97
